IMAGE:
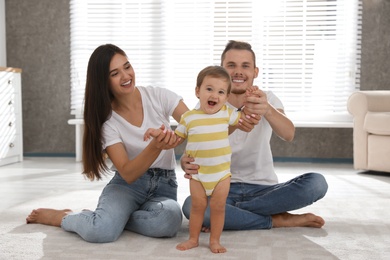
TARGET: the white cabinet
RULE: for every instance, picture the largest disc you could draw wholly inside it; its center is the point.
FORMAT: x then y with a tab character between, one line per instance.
11	137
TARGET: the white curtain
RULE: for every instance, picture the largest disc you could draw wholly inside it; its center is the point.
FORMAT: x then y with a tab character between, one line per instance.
308	51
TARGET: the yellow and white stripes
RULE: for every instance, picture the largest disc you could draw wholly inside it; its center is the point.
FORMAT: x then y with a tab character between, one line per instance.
208	143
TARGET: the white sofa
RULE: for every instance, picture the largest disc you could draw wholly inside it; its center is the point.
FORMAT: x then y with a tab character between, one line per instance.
371	129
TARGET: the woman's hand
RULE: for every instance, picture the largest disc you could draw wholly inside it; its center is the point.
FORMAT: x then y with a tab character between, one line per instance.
188	167
163	139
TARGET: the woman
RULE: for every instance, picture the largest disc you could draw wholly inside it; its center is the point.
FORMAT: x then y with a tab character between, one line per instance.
141	197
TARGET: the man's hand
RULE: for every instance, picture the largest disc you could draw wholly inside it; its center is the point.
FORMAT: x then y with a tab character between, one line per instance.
248	122
188	167
252	114
256	102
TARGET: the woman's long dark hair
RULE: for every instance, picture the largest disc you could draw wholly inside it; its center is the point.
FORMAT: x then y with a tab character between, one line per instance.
97	109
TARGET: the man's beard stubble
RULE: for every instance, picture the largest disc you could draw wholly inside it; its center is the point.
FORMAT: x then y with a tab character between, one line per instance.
238	91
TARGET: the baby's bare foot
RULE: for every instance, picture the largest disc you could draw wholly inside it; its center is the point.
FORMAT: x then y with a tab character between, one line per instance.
52	217
187	245
216	248
297	220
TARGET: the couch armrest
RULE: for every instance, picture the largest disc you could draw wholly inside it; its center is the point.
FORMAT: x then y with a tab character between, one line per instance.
374	101
359	103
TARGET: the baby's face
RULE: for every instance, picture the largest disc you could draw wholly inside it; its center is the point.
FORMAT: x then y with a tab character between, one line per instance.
212	94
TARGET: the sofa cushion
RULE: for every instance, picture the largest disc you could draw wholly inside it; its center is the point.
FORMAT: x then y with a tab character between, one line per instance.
377	123
378	153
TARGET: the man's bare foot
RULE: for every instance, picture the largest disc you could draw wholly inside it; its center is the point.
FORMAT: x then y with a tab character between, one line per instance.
297	220
187	245
52	217
216	248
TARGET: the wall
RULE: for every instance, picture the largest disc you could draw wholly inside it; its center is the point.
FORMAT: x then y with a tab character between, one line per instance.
38	42
375	71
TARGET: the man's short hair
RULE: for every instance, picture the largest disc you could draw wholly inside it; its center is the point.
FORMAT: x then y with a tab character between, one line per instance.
237	45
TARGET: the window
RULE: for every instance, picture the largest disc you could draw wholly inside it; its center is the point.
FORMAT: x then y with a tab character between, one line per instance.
308	51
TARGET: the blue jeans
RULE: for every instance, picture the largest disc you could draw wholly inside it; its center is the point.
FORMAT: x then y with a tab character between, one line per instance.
251	206
147	206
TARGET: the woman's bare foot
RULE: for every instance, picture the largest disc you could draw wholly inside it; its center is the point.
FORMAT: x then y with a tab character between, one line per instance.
187	245
52	217
297	220
216	247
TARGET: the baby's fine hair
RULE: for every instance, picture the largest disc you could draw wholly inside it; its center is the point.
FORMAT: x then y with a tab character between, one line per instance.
215	72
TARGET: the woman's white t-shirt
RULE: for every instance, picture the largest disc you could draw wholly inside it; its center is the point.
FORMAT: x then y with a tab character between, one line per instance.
158	105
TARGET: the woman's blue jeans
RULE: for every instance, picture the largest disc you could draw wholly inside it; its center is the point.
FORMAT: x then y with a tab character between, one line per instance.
251	206
147	206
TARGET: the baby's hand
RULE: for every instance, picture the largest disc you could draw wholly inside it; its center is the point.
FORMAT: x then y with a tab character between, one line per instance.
163	139
252	91
153	132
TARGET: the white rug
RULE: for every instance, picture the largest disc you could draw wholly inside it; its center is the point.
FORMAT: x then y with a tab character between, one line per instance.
356	210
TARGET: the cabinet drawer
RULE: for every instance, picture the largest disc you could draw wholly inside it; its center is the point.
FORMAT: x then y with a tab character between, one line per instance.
9	80
9	102
8	125
10	145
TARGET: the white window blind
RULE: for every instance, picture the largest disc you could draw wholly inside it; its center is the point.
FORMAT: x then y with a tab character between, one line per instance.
308	52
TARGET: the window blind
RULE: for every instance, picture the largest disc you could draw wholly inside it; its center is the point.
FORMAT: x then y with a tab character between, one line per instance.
308	51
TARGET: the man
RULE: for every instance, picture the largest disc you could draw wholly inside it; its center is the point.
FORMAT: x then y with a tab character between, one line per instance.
256	200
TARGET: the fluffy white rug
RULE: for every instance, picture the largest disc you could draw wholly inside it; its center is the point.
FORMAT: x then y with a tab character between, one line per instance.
356	210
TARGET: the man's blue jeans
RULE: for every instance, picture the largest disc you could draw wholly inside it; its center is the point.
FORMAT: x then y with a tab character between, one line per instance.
251	206
147	206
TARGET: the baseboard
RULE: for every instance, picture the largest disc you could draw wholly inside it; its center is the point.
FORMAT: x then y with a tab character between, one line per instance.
49	155
276	159
313	160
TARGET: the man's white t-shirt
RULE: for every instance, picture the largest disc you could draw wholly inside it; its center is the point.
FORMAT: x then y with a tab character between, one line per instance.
252	160
158	105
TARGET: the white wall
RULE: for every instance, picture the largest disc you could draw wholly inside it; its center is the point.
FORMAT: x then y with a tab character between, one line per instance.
3	52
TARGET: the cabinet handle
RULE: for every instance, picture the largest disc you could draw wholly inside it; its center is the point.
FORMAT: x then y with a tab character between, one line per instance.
10	124
10	102
11	145
9	82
